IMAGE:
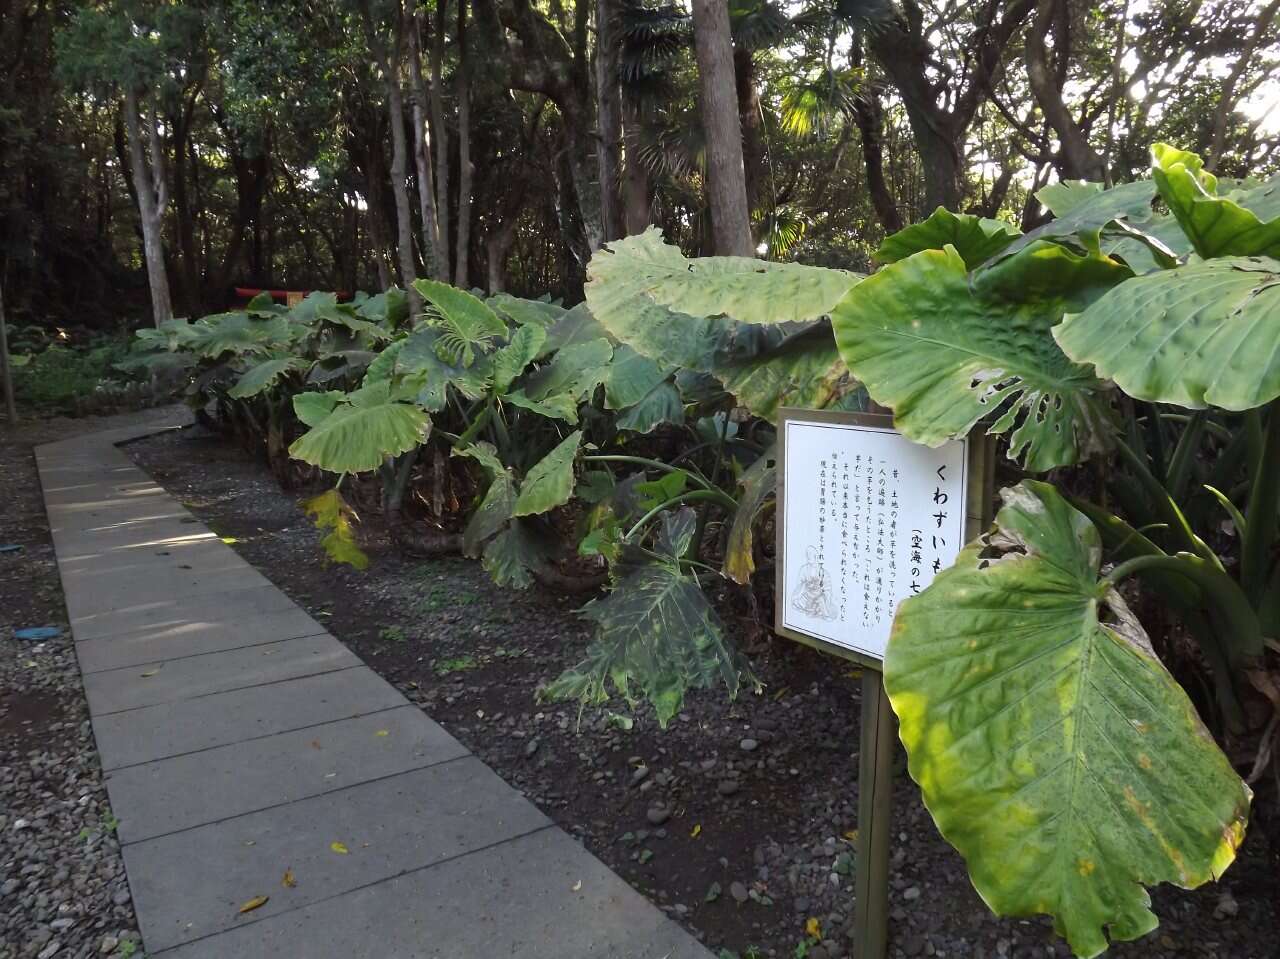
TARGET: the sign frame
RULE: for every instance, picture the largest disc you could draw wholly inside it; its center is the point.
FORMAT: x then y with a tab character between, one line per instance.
879	726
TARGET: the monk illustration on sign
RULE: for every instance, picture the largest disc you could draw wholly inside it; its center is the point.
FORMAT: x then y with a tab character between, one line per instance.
814	590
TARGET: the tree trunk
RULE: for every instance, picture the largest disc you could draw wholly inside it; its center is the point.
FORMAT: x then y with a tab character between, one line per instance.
153	197
432	245
1078	159
608	119
400	169
10	407
635	178
718	101
868	113
440	134
750	118
462	256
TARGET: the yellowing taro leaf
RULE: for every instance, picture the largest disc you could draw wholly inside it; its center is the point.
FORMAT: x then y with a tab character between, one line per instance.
288	881
1054	750
339	847
811	928
255	903
329	511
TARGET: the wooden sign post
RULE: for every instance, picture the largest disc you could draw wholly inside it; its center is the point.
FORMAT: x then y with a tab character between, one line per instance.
865	519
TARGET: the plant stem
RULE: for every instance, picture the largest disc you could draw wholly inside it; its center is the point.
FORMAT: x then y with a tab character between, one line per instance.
728	502
693	474
1261	511
1165	504
1240	625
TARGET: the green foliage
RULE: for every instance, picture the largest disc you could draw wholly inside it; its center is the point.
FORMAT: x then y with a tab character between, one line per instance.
1054	750
467	325
364	428
656	633
62	377
975	238
945	348
550	483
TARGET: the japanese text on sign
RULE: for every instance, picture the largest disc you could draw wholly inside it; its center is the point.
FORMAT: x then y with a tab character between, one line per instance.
869	518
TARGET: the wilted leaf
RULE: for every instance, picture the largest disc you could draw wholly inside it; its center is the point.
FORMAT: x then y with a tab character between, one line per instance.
759	482
330	512
255	903
1053	749
288	881
812	928
339	847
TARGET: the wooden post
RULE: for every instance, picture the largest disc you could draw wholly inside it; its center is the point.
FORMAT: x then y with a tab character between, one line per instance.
875	818
10	407
880	742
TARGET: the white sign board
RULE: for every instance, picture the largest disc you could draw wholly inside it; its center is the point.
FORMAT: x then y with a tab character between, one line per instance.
866	519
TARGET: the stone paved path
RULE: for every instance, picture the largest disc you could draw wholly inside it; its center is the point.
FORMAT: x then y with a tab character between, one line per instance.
241	742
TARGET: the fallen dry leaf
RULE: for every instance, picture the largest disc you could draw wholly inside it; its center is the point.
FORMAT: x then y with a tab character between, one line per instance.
254	903
288	881
577	885
696	831
339	847
382	732
150	672
811	928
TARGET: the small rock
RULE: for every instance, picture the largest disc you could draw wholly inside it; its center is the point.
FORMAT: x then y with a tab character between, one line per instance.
1227	907
912	894
49	951
109	943
657	815
531	747
639	774
748	745
739	892
728	787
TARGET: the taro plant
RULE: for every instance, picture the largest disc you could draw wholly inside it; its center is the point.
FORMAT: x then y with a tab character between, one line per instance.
1129	349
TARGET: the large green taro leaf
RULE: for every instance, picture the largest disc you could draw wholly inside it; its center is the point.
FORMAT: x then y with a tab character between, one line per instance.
575	369
494	511
466	323
747	289
420	358
510	361
630	377
660	405
236	333
655	630
360	433
1216	225
1207	333
515	555
975	238
1053	749
764	365
549	482
526	312
943	349
264	375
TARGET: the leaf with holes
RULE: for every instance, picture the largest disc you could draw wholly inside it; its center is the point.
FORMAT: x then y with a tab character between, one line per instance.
1053	749
944	349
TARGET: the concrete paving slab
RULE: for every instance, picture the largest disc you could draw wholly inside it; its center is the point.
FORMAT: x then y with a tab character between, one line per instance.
82	497
204	555
173	729
153	644
171	681
199	788
216	609
192	883
104	594
100	517
517	901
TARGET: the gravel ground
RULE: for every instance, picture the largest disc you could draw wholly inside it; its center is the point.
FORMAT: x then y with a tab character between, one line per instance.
737	820
62	881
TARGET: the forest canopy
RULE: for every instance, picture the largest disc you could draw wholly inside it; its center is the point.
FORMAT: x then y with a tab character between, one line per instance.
356	144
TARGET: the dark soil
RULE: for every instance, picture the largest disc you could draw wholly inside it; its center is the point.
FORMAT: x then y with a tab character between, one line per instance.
760	794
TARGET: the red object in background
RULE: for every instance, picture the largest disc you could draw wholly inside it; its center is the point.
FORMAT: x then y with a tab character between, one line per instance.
284	297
